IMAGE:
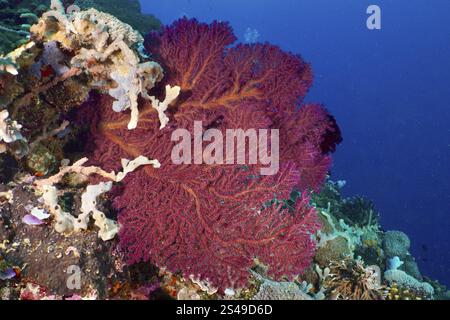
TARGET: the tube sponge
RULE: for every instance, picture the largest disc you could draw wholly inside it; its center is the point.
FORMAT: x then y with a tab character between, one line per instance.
67	223
171	94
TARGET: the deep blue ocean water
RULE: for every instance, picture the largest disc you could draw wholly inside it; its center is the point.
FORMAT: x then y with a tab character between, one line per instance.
389	90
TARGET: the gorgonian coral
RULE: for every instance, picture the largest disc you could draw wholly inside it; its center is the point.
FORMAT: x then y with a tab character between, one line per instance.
209	221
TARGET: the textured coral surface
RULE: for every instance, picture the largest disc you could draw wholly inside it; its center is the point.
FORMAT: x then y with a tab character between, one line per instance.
207	220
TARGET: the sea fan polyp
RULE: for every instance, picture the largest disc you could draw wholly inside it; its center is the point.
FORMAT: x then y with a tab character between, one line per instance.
212	221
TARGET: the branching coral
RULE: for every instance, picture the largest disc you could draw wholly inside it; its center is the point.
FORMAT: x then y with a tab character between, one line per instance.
396	292
208	221
161	107
338	239
406	281
16	17
351	280
359	211
128	11
68	55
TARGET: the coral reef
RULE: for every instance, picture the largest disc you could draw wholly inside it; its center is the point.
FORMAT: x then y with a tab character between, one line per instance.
359	210
353	211
69	55
365	245
66	222
351	280
102	48
393	275
44	256
80	96
394	292
270	290
129	12
405	280
16	18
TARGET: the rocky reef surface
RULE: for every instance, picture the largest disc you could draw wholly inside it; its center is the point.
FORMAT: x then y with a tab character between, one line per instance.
91	208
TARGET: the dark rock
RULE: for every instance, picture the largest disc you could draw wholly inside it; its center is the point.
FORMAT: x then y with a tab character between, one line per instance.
45	256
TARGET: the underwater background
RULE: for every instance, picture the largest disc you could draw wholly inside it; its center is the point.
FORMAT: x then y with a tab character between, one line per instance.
372	226
388	88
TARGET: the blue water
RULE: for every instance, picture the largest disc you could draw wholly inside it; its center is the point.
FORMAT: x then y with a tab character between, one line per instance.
389	90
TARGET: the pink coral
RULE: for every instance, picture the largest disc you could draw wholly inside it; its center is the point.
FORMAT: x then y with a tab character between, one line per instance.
209	221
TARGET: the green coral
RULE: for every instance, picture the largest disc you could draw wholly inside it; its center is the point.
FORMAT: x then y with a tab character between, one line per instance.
330	194
128	11
30	16
17	16
354	211
360	211
4	265
349	227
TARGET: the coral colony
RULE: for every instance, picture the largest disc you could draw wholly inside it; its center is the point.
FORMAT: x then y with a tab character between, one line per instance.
219	208
180	152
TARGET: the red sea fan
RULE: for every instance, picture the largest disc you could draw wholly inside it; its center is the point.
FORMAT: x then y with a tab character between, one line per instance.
308	135
211	221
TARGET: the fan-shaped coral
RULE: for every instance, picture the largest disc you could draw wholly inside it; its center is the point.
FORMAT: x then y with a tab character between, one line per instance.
208	221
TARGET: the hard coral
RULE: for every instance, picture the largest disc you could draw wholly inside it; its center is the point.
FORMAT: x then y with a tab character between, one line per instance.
208	221
351	280
394	292
102	47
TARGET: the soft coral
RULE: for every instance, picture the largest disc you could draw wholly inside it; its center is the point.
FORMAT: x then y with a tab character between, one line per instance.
209	221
